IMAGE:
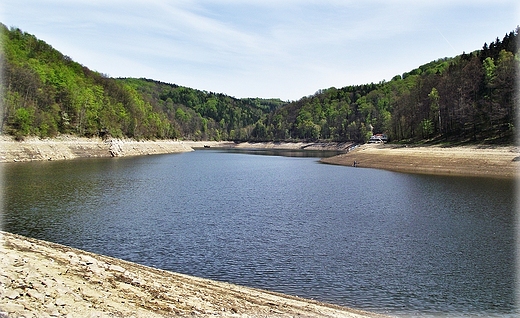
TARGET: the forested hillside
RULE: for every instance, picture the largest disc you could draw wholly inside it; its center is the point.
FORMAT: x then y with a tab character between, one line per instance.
196	114
467	98
45	93
470	97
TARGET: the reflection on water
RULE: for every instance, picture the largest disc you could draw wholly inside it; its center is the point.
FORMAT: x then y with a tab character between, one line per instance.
387	242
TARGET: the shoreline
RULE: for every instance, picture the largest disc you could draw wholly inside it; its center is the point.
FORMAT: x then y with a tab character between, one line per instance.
483	161
42	279
472	161
66	147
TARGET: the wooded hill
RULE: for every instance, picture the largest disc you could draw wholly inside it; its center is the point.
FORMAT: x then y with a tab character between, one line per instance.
45	93
467	98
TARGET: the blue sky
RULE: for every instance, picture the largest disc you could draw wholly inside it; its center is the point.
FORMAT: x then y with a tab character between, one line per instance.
262	48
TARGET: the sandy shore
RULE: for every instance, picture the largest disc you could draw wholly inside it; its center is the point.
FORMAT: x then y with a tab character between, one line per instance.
500	162
42	279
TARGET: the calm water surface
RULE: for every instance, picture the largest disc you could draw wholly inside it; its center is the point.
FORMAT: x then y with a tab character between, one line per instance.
393	243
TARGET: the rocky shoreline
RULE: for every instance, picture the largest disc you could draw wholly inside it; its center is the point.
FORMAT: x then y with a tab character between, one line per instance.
70	147
43	279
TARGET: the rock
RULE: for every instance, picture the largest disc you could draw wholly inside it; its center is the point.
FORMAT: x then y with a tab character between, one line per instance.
117	268
62	290
115	147
28	314
40	287
18	283
12	294
97	314
73	258
48	282
88	259
136	282
35	294
96	270
90	295
32	276
4	280
52	310
12	307
60	301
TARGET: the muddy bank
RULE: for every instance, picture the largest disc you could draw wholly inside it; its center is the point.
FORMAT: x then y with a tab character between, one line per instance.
488	161
42	279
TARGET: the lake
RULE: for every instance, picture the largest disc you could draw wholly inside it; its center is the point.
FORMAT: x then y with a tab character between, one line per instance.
400	244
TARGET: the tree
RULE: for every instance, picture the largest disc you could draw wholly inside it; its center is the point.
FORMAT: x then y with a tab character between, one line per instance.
23	119
434	107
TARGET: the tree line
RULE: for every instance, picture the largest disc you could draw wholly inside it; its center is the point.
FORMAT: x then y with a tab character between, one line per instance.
470	97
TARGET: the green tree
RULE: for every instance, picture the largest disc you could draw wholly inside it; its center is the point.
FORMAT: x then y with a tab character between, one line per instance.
23	120
434	107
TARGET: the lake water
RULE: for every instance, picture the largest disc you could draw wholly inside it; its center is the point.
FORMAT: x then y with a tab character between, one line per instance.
392	243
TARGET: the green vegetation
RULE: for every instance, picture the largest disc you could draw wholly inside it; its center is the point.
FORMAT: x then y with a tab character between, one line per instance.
200	115
467	98
46	93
